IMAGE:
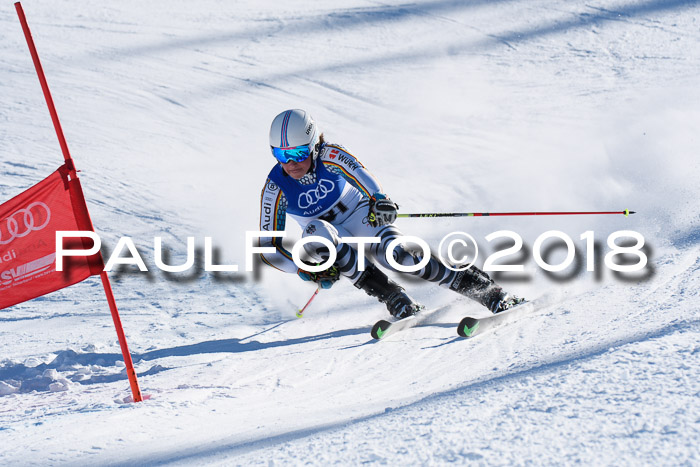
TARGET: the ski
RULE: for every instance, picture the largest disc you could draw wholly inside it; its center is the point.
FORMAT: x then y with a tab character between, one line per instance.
384	328
470	327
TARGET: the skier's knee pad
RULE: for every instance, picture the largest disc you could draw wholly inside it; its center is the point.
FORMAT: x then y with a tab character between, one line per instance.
320	228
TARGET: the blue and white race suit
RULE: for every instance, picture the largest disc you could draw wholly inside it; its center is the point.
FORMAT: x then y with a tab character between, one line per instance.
331	201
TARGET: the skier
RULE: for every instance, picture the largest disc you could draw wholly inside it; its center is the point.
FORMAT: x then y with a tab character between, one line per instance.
329	193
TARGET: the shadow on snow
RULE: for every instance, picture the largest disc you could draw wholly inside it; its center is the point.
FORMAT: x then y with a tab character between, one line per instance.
239	448
91	367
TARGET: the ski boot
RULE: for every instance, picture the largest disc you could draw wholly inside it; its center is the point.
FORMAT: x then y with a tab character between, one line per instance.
506	302
377	284
477	285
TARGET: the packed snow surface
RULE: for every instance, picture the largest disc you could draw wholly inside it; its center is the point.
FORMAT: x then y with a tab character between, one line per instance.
476	106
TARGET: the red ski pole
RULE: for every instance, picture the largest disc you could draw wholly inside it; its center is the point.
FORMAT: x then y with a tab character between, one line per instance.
300	313
626	213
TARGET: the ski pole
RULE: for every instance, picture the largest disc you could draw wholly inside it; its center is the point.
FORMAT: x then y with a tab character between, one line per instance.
300	313
626	212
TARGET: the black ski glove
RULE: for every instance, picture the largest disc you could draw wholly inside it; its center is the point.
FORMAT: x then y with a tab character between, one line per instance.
382	210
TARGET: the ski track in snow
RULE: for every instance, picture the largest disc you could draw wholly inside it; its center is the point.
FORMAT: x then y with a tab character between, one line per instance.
488	106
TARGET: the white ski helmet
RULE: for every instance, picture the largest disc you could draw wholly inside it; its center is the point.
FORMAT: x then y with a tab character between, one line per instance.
293	133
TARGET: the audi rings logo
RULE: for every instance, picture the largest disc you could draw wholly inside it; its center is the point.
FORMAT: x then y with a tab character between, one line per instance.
34	217
311	197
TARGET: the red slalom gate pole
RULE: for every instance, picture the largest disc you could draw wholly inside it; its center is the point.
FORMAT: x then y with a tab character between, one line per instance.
131	373
44	84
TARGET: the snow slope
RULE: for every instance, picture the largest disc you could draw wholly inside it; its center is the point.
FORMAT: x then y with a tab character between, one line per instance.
455	106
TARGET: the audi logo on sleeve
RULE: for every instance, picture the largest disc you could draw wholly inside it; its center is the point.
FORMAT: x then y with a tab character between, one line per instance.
22	222
313	196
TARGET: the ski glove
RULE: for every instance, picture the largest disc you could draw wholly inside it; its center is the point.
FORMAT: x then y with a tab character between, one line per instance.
325	279
382	210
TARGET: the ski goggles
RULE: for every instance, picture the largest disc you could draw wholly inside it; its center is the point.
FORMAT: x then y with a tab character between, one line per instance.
296	154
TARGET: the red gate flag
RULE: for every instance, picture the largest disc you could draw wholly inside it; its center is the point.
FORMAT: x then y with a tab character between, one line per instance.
28	225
